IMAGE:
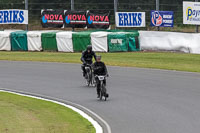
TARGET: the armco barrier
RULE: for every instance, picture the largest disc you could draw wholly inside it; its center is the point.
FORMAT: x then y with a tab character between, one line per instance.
102	41
172	41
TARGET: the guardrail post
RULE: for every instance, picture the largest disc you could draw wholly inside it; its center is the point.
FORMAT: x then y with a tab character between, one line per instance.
72	4
115	9
72	8
157	9
197	27
26	8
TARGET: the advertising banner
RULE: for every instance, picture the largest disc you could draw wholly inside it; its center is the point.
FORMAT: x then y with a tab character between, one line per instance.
162	18
52	18
191	13
75	19
14	16
130	19
98	20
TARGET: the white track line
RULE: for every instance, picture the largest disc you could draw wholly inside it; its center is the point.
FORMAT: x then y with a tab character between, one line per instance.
90	119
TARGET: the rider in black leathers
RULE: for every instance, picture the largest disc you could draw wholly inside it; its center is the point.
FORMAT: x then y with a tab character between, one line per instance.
86	58
99	69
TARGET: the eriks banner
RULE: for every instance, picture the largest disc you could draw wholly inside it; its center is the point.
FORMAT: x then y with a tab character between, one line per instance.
13	16
130	19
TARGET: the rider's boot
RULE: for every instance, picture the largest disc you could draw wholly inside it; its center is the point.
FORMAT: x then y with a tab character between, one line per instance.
98	92
84	74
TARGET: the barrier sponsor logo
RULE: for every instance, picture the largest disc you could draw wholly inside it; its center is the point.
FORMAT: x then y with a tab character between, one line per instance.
67	20
156	18
191	13
44	20
116	41
76	19
98	20
14	16
89	20
162	18
52	18
130	19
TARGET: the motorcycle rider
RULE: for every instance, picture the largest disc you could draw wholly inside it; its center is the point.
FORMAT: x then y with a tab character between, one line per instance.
99	68
87	57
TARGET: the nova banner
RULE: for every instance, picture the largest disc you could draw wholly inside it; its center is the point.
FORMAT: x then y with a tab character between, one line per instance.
98	20
191	13
130	19
52	18
75	19
14	16
162	18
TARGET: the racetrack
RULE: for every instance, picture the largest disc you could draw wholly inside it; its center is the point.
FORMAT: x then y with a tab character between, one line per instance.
141	100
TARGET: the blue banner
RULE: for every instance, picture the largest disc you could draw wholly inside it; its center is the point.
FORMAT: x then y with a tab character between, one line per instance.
162	18
14	16
130	19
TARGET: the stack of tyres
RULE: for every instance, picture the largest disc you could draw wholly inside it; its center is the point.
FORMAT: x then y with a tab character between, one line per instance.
123	41
5	43
19	41
64	41
133	41
117	42
81	40
99	41
49	41
34	40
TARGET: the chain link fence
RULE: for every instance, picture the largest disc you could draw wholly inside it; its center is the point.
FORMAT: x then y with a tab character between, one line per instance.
35	6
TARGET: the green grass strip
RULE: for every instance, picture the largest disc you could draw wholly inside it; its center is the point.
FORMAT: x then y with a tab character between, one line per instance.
158	60
19	114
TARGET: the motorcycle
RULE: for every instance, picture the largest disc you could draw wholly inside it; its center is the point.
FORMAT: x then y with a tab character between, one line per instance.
103	91
89	75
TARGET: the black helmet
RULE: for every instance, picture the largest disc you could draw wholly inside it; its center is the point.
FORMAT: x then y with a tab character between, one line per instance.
98	57
89	47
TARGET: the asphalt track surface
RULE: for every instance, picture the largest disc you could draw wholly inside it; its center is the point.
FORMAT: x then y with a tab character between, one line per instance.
141	100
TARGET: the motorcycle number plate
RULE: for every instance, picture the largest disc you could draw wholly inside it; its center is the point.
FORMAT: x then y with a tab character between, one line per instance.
101	77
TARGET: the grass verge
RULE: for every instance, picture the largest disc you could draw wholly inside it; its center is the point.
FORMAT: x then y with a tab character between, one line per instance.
19	114
158	60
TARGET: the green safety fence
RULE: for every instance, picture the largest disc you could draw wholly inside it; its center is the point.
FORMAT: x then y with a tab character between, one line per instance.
19	41
49	41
